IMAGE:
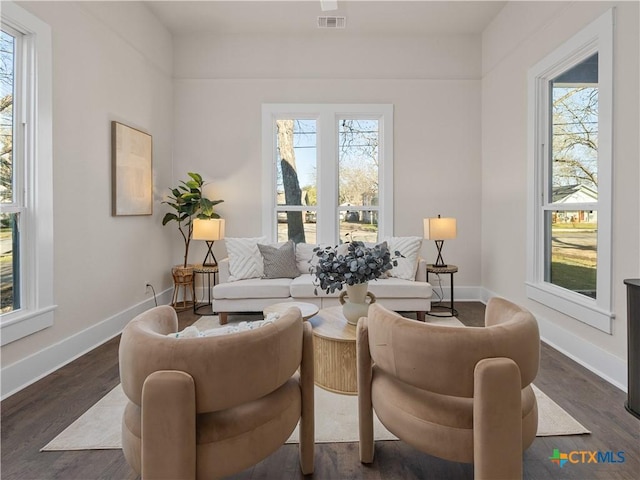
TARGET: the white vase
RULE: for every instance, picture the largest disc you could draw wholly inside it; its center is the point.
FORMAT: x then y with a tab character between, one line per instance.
355	305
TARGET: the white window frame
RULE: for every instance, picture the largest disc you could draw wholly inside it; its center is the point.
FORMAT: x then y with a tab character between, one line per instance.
35	178
327	116
595	37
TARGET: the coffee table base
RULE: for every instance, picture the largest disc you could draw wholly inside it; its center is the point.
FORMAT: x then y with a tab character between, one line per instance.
334	349
335	366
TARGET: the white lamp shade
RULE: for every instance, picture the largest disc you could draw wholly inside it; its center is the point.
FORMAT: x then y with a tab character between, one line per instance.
208	229
440	228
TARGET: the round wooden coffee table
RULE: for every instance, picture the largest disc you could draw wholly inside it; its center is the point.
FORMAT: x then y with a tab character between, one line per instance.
308	310
334	351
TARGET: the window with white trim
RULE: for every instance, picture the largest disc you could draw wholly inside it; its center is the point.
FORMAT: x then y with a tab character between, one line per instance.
26	189
328	172
569	249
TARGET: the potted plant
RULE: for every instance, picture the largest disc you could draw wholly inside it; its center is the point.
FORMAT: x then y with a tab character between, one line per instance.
188	203
352	265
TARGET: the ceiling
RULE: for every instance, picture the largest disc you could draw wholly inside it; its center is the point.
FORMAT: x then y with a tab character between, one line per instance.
414	17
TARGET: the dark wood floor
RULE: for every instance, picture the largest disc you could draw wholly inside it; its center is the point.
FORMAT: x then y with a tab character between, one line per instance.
35	415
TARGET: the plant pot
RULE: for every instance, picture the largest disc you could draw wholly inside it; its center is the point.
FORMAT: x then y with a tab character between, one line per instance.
355	305
182	274
182	280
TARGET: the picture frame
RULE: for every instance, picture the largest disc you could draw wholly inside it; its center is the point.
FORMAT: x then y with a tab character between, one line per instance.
131	171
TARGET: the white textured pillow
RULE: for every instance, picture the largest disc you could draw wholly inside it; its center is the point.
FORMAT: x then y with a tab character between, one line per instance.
245	260
304	253
240	327
410	248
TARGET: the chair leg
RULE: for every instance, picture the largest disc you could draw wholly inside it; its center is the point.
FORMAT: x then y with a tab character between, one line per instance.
497	420
365	407
307	420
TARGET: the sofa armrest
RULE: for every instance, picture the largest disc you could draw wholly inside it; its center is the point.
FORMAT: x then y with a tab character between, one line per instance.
421	272
223	270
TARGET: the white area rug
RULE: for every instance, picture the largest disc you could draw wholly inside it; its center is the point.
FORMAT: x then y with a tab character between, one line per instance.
336	416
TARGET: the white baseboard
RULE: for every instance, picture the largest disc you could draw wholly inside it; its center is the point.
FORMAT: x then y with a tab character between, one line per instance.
604	364
24	372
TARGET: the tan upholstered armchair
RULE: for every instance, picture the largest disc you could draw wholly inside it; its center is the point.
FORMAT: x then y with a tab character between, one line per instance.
212	406
462	394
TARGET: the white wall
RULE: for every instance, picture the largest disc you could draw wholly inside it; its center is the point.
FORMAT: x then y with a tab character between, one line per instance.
111	62
522	34
433	83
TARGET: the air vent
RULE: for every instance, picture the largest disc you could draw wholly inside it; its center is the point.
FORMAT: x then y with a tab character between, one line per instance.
332	22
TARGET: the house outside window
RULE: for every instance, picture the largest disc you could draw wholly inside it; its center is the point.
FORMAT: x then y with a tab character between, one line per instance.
26	189
327	172
569	250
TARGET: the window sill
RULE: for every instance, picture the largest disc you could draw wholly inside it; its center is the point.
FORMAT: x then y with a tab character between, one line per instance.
25	323
572	304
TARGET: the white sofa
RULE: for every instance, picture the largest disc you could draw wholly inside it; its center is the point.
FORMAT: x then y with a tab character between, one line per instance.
254	294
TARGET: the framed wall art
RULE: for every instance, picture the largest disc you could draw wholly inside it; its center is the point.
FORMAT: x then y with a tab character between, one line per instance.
131	174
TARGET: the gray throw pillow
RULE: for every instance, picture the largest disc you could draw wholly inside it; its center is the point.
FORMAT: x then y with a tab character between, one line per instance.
279	262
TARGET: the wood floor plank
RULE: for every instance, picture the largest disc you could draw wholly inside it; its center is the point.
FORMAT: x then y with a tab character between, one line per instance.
35	415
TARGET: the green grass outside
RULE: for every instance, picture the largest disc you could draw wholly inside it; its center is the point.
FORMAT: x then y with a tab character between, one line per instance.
577	278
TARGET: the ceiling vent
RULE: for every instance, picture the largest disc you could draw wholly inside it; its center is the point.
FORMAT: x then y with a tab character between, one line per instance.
332	22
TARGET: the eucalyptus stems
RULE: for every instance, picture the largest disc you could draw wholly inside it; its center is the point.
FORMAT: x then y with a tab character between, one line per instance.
358	264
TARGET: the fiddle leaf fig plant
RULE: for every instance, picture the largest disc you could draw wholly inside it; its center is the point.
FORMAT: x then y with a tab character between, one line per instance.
188	203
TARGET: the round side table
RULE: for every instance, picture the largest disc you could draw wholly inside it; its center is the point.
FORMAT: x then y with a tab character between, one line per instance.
450	269
211	271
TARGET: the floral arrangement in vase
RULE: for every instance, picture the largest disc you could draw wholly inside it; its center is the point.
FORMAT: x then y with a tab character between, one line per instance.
350	264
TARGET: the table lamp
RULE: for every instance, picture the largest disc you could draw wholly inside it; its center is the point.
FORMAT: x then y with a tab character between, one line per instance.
209	230
439	229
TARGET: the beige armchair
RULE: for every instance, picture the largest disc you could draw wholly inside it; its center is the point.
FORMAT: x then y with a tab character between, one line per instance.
212	406
462	394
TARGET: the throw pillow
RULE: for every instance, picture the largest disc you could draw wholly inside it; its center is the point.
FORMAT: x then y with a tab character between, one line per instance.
410	248
279	262
189	332
193	332
245	260
305	256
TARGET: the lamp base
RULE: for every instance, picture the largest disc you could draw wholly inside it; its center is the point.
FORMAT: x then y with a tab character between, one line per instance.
439	261
210	254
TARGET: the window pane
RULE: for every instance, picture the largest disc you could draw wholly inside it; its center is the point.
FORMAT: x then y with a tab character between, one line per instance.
296	167
358	225
296	176
358	162
288	226
9	262
7	59
572	250
575	129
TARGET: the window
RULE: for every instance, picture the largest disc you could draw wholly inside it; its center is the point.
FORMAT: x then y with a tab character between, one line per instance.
10	197
328	172
570	173
26	220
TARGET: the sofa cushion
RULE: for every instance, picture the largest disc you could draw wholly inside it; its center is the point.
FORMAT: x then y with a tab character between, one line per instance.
253	288
303	287
399	288
245	260
279	262
409	247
